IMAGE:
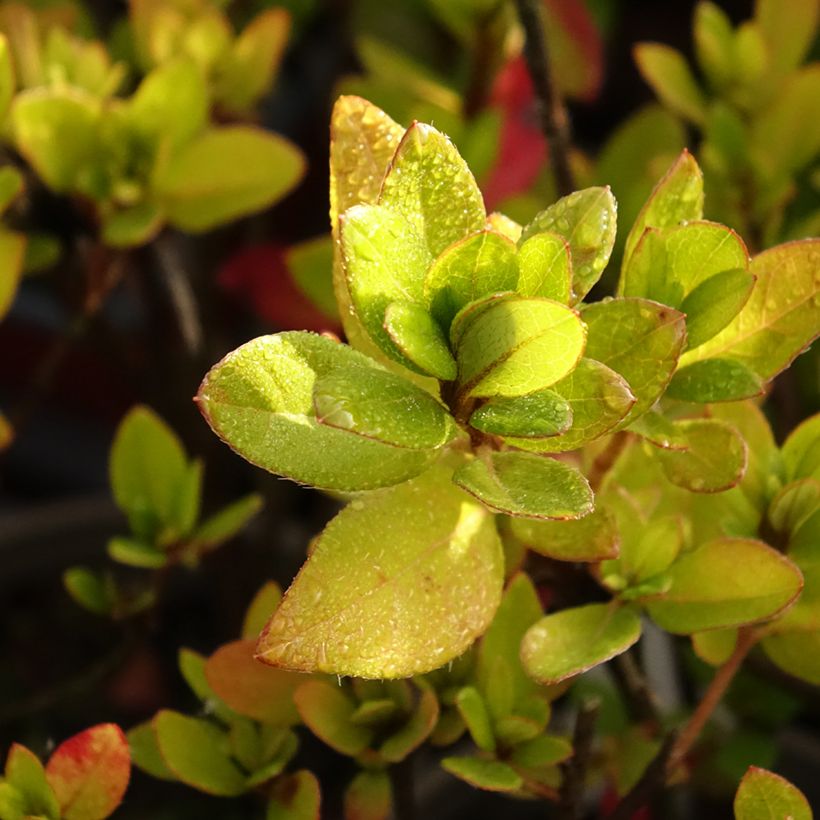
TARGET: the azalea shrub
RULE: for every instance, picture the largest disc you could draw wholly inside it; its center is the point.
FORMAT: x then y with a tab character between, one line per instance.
566	457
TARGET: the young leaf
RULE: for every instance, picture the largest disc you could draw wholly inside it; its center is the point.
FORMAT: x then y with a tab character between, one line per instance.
89	589
251	688
369	796
294	797
713	39
801	450
414	732
196	751
25	774
648	554
147	466
678	197
225	524
490	775
591	538
259	399
473	267
431	188
517	346
526	485
473	710
145	753
381	406
544	267
206	184
781	317
327	711
540	414
714	460
599	399
135	553
763	795
89	772
666	70
574	640
639	339
260	609
723	583
420	339
587	221
713	380
385	262
359	609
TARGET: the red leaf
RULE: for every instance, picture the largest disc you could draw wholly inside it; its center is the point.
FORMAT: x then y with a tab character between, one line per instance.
89	772
259	278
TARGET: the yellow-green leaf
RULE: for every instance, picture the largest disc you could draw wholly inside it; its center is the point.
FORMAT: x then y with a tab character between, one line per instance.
764	795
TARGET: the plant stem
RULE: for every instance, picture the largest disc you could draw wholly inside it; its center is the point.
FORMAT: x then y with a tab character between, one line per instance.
575	769
632	682
404	793
553	113
606	459
747	637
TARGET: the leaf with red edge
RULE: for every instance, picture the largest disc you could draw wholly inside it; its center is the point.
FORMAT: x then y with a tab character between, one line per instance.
259	278
295	797
252	688
90	771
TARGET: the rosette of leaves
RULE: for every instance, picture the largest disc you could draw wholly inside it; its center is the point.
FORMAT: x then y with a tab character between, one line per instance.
243	740
474	365
84	779
752	93
154	157
159	490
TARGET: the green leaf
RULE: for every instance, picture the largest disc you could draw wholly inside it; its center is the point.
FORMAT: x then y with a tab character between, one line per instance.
715	458
544	267
712	380
56	132
170	105
369	796
546	750
725	582
381	406
12	255
711	305
374	712
260	609
517	346
142	742
147	466
25	773
660	431
639	339
226	523
310	265
359	609
713	36
797	653
587	221
384	261
414	732
327	711
763	795
781	317
667	71
89	589
251	688
599	399
473	710
678	197
715	646
527	485
591	538
540	414
490	775
135	553
89	772
431	188
294	797
420	339
196	751
789	28
227	173
473	267
649	554
669	263
572	641
259	399
132	226
801	450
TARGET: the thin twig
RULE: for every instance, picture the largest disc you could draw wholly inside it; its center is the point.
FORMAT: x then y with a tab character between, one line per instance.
747	637
575	769
651	781
553	113
632	682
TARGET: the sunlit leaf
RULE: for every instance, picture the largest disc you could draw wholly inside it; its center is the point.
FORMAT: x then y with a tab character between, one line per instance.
591	538
723	583
667	71
227	522
712	380
357	608
544	267
763	795
801	450
535	415
713	39
572	641
420	339
25	774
